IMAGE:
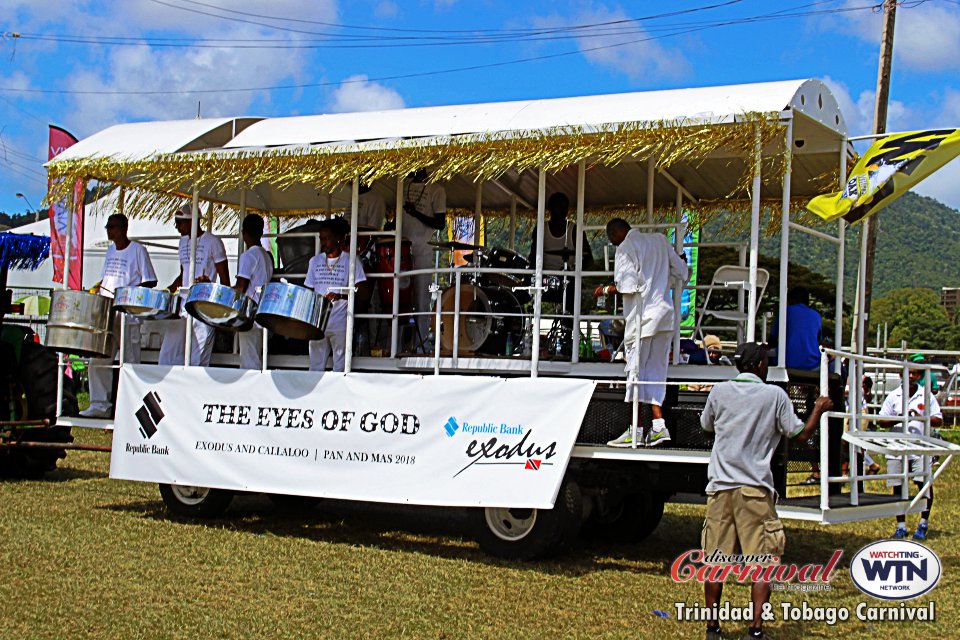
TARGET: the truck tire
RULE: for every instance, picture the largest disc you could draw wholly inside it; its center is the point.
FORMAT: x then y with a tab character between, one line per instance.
195	502
34	379
531	534
632	518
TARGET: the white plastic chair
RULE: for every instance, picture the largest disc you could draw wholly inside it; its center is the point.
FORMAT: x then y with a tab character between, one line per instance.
730	278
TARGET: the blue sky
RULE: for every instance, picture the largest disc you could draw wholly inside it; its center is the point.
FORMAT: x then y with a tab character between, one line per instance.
347	56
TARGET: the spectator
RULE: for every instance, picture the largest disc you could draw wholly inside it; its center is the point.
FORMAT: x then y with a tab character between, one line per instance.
748	418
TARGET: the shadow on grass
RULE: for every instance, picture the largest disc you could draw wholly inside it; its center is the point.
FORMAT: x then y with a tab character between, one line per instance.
61	474
446	532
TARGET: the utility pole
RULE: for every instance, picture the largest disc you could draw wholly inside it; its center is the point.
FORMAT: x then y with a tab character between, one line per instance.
872	226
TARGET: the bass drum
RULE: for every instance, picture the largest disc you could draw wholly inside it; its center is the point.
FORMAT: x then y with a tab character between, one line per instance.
486	332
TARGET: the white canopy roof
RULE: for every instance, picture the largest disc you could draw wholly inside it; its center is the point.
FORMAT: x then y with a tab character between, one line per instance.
144	139
701	105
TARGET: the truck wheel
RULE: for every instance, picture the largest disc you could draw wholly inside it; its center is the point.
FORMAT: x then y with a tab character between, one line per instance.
32	392
633	519
195	502
529	534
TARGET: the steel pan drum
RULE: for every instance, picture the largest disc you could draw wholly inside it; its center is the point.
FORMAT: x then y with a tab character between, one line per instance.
80	323
147	304
293	311
221	307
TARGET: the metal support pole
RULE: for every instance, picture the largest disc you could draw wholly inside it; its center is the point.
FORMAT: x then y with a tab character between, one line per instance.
397	245
651	174
824	438
512	240
679	233
754	237
784	248
578	263
352	274
192	271
538	273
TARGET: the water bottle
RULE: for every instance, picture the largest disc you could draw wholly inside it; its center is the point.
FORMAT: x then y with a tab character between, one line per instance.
508	349
361	347
527	338
602	301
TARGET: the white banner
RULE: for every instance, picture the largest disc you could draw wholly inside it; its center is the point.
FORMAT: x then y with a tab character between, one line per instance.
432	440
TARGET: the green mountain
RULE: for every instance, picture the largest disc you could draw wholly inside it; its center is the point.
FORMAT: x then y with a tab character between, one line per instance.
916	239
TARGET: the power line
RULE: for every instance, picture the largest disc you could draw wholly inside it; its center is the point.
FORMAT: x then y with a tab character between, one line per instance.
779	15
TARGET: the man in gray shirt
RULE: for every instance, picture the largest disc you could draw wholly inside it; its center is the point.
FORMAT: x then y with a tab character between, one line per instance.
748	417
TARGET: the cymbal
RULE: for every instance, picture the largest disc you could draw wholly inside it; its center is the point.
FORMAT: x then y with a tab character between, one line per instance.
453	245
563	253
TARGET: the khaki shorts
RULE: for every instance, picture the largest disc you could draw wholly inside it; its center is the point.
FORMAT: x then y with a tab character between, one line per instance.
742	521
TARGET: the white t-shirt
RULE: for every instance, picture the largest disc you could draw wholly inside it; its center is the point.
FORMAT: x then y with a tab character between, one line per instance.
430	200
893	407
256	265
128	267
371	210
324	276
210	251
645	268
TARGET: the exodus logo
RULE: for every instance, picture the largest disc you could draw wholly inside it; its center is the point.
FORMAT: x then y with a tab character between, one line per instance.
530	455
451	426
149	414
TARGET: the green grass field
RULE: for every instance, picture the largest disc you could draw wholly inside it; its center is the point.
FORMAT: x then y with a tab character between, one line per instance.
83	556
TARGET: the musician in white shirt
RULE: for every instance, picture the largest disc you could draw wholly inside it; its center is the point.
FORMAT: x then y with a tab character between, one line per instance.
645	269
127	264
329	275
211	263
254	270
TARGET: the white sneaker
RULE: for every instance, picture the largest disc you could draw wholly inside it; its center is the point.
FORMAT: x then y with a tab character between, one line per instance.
95	412
658	438
626	440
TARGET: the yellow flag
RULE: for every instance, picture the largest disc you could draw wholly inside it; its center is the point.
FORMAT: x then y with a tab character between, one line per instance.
889	168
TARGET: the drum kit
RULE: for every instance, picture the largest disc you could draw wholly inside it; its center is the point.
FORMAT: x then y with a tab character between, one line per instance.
492	303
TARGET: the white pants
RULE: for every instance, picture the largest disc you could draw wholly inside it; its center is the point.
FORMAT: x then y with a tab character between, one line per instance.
174	342
423	258
100	372
320	351
647	362
251	348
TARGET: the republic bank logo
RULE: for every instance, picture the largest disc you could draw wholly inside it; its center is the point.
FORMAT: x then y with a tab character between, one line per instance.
149	415
451	426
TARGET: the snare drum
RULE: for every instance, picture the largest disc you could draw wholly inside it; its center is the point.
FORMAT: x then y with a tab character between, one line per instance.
293	311
81	323
385	265
146	304
481	329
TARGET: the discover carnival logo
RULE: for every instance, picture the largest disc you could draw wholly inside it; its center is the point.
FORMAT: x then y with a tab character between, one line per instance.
526	452
895	569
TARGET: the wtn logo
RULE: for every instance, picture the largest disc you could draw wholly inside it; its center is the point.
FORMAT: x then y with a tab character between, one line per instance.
451	426
149	414
904	570
895	569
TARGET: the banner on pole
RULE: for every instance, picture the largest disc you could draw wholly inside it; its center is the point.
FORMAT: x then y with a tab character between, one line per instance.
889	168
431	440
60	212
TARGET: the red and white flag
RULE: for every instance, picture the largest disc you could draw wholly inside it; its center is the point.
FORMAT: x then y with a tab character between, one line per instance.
59	215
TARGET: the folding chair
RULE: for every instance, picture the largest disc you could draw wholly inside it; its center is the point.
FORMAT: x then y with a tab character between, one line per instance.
733	279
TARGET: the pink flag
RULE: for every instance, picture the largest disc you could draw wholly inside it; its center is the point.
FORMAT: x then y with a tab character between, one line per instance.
59	215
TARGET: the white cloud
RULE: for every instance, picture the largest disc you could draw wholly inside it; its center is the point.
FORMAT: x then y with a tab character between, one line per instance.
150	68
386	9
357	93
858	112
926	36
944	185
638	59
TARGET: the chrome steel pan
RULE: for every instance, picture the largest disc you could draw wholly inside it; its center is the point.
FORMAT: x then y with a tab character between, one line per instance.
80	323
293	311
221	306
147	304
